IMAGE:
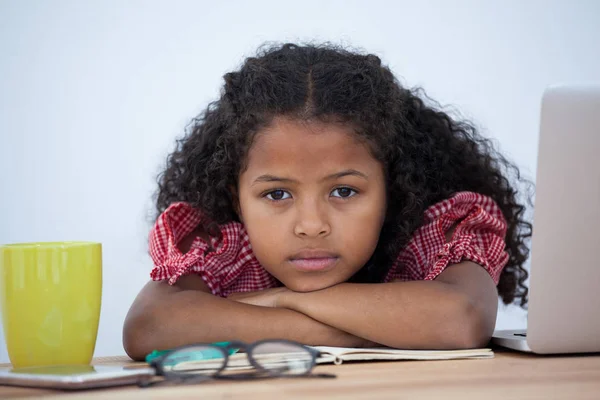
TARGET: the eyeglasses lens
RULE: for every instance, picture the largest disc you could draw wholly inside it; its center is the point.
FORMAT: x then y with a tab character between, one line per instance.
283	358
194	361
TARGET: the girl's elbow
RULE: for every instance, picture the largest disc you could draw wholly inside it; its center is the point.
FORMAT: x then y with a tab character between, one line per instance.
137	335
473	326
145	321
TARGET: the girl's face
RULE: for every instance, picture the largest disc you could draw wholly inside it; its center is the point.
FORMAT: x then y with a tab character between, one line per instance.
313	201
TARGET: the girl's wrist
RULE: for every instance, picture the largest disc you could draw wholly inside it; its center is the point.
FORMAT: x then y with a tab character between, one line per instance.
286	299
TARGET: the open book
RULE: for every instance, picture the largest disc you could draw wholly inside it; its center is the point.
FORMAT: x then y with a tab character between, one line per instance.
335	355
338	355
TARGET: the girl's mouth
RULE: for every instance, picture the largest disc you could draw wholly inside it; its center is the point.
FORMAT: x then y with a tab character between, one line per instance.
318	264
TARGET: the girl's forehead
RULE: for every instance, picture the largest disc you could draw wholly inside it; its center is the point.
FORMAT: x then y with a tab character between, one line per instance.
287	139
308	150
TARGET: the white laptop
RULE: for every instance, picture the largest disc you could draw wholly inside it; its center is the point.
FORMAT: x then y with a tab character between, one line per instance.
564	295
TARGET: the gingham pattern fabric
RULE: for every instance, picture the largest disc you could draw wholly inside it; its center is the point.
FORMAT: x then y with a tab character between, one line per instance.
231	267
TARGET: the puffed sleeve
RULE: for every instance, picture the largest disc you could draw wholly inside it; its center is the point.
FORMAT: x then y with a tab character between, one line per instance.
224	264
478	234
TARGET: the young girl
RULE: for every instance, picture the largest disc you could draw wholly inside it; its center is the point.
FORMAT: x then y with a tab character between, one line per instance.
320	201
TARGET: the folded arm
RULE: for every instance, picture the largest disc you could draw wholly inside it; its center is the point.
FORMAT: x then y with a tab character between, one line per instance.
457	310
164	317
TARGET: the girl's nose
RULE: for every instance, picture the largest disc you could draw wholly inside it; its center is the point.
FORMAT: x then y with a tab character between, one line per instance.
311	221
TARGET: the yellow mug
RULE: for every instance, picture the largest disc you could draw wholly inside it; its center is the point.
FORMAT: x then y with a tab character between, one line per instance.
50	295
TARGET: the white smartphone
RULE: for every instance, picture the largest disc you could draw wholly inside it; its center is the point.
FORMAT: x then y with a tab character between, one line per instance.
74	376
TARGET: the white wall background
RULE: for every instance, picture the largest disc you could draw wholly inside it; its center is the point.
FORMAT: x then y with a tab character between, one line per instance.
93	94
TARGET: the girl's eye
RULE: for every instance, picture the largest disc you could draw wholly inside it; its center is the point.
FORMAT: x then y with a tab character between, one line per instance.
344	192
277	195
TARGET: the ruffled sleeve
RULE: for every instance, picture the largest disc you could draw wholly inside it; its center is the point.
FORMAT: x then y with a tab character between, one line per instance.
226	264
479	231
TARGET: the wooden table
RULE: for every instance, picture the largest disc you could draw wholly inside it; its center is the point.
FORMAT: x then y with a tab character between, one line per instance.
507	376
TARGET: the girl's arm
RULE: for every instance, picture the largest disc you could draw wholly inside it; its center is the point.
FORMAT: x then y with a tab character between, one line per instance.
164	317
457	310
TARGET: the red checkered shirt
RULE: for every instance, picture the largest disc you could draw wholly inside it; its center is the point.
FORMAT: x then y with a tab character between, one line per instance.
231	266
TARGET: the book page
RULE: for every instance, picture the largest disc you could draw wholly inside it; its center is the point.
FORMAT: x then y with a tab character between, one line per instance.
339	354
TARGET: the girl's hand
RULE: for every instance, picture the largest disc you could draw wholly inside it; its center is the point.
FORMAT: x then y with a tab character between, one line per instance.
264	298
283	297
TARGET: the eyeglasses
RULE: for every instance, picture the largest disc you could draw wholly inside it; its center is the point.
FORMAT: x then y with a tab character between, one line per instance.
238	360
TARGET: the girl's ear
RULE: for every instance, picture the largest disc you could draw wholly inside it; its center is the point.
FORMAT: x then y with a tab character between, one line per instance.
235	199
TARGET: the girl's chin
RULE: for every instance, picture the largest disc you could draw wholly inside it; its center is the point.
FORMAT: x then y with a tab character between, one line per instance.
307	285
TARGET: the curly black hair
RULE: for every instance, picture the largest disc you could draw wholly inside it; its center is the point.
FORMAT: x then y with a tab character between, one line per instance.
427	155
